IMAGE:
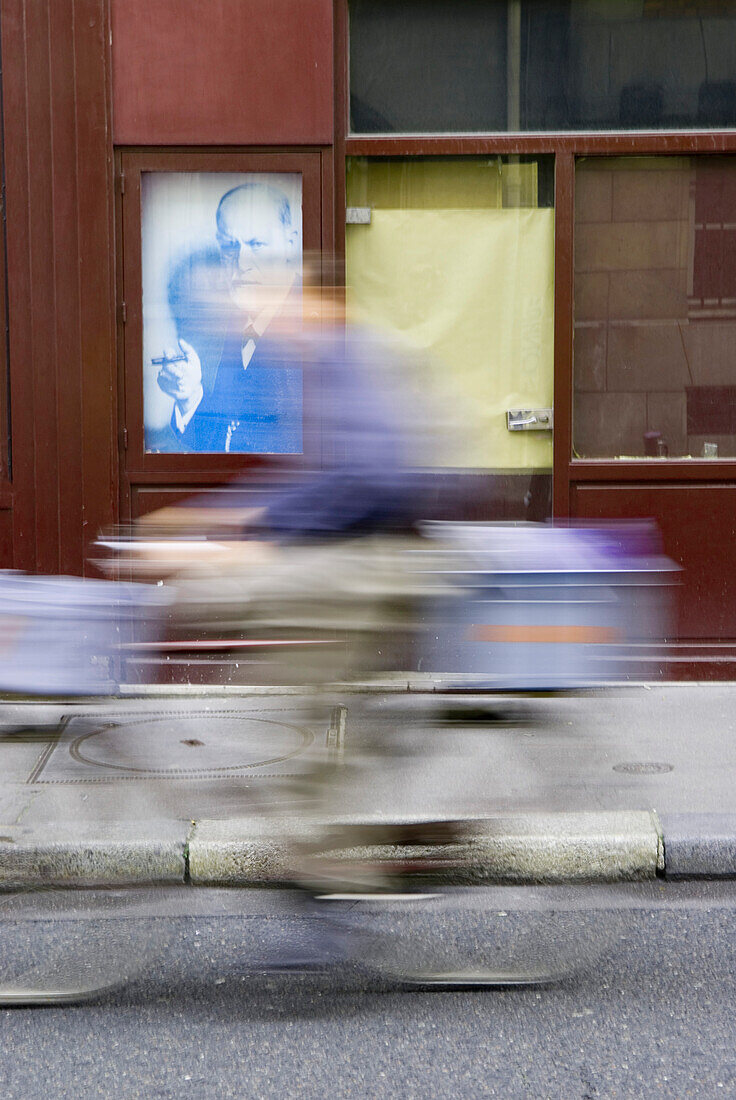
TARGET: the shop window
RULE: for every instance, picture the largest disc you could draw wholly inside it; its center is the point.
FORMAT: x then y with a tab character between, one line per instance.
655	307
454	257
491	65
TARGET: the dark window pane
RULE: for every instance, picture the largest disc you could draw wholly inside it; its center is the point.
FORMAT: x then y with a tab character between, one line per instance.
426	65
491	65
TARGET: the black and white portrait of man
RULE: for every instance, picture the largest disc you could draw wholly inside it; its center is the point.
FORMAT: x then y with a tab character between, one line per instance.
221	256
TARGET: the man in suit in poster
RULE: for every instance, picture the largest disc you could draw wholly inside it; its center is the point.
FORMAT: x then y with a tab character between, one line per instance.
253	404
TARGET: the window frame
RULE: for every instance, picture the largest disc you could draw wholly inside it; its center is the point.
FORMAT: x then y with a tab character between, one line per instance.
139	465
566	146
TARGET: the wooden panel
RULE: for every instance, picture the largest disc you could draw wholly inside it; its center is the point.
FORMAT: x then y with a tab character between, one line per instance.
6	539
60	277
146	499
609	141
4	409
697	470
698	525
21	330
564	229
235	72
462	497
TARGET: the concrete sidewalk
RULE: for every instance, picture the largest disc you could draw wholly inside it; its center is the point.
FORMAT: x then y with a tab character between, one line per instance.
195	788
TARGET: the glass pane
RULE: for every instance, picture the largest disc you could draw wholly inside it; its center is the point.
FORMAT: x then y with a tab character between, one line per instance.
221	253
457	262
655	307
493	65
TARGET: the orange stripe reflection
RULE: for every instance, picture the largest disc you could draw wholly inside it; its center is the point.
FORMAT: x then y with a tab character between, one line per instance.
578	634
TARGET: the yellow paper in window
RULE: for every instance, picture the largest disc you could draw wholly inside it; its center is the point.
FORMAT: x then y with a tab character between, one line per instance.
423	184
473	290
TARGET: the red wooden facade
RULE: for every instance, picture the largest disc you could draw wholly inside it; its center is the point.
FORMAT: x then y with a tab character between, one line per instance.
94	91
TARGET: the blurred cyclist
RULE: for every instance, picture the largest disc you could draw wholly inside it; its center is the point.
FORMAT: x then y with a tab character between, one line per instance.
325	559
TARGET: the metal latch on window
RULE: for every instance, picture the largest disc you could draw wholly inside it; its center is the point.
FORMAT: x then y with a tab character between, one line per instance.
358	215
530	420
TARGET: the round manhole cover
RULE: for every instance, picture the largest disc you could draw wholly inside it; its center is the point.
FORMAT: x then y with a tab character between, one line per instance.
219	742
644	768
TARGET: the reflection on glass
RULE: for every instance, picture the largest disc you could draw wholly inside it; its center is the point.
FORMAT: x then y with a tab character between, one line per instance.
485	65
457	262
221	255
655	307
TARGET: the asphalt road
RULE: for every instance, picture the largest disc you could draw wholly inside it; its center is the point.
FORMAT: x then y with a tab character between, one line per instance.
651	1012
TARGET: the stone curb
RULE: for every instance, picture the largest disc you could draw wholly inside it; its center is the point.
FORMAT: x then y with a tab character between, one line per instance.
415	683
699	845
92	854
568	848
522	848
553	848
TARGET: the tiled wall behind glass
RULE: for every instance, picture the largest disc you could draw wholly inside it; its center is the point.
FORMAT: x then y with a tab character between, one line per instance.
655	307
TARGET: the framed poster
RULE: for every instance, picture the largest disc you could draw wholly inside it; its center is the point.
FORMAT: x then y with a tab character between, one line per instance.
221	258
